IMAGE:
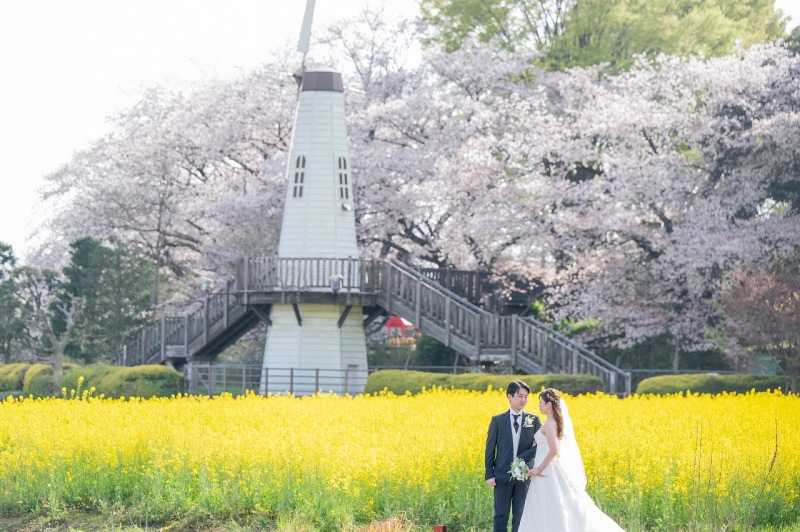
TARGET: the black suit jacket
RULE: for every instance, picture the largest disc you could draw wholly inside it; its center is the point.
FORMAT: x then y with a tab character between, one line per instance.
500	445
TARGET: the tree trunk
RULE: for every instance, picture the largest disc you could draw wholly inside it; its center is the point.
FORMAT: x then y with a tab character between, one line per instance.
676	359
71	313
58	367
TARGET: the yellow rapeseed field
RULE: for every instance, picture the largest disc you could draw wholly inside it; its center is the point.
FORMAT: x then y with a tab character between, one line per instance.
662	463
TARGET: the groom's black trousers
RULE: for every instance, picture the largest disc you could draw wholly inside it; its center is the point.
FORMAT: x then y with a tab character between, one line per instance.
511	494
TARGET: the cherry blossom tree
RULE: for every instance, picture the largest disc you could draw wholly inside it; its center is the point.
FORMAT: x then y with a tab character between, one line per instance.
651	184
192	181
52	316
629	195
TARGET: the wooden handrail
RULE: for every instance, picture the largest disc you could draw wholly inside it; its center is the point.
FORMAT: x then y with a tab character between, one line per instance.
400	290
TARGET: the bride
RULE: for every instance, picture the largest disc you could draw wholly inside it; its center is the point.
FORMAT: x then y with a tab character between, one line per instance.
557	498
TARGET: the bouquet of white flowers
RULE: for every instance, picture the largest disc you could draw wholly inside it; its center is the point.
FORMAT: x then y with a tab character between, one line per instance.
519	469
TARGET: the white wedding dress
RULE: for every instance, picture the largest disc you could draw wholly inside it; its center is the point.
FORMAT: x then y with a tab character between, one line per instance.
556	503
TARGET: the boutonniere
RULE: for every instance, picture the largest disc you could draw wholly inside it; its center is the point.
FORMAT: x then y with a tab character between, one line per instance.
528	422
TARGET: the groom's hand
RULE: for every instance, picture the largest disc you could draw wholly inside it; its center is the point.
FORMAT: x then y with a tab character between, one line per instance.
491	482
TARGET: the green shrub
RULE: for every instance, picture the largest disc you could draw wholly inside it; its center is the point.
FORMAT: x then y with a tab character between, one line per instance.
93	375
400	381
139	381
111	381
11	376
706	383
571	384
39	381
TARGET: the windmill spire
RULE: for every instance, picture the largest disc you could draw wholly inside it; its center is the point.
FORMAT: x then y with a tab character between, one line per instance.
305	36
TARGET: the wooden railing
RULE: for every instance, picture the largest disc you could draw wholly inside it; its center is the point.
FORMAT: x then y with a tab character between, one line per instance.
540	346
480	288
531	345
258	274
480	335
155	343
452	320
467	284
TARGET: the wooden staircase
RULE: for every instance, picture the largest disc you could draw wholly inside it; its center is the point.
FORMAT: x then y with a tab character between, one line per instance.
380	287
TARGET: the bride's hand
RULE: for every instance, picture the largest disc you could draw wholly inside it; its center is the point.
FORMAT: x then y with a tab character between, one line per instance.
535	473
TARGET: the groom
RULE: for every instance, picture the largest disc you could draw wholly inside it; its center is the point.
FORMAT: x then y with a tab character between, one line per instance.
510	435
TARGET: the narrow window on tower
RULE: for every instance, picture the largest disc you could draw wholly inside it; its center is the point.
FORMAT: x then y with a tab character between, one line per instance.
344	190
299	176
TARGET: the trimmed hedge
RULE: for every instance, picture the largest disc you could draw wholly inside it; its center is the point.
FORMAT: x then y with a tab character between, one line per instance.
39	380
143	381
92	374
705	383
111	381
12	376
400	381
137	381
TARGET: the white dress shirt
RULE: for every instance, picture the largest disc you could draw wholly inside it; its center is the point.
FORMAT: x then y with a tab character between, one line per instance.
515	433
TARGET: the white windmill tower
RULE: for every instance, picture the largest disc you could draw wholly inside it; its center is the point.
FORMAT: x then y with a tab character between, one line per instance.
318	227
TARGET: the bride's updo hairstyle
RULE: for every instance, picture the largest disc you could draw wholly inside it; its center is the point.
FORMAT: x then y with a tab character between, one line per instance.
552	396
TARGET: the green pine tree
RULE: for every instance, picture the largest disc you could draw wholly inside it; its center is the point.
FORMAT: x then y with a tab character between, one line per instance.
116	286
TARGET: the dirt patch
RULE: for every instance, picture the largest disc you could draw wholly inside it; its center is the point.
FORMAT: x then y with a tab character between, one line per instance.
84	522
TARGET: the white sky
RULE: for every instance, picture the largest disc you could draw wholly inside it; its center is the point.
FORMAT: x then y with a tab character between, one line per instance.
67	65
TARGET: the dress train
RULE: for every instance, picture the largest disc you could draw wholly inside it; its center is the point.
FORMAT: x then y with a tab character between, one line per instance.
554	504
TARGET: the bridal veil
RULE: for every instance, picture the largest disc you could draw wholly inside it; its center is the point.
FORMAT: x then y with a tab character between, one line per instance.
569	453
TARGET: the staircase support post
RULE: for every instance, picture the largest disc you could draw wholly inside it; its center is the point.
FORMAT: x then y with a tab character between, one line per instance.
190	378
186	334
211	380
205	321
344	315
514	340
227	302
388	285
478	336
417	297
543	349
247	281
447	321
163	337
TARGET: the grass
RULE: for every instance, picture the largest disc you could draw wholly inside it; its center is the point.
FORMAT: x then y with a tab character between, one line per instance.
78	521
